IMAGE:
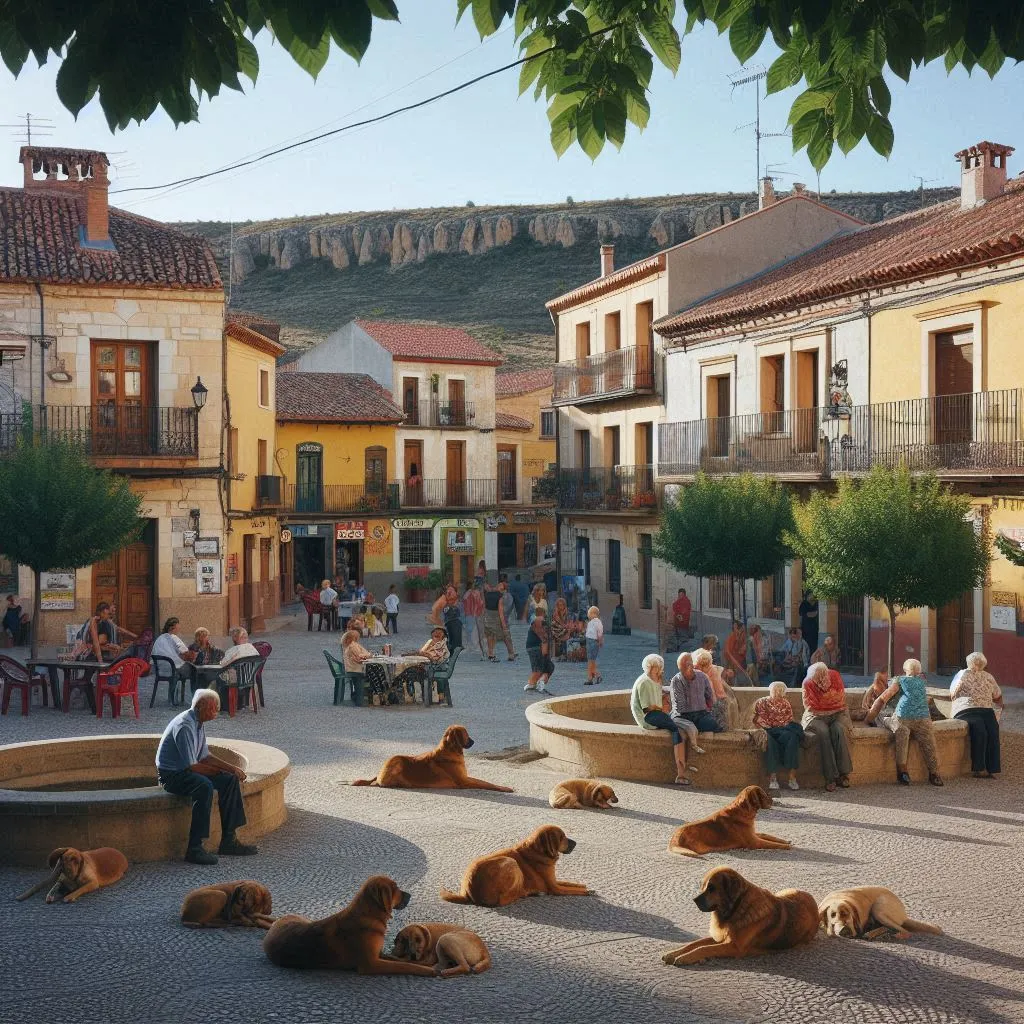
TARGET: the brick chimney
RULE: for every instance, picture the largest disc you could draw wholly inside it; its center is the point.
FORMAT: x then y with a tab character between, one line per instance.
81	173
766	193
982	173
607	259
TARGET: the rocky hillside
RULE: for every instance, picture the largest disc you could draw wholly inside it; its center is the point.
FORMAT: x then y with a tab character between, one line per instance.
490	269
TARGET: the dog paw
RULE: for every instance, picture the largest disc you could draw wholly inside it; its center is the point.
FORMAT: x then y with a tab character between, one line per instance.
51	898
669	959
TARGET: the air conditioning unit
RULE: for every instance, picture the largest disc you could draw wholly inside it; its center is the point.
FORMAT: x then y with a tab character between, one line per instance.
268	491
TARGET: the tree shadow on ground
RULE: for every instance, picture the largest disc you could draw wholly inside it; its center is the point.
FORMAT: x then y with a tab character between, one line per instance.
980	954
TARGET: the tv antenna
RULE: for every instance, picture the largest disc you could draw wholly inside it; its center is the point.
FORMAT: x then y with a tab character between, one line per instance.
755	75
921	182
40	126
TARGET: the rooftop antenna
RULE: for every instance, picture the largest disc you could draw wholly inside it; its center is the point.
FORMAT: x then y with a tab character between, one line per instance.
756	74
921	182
40	126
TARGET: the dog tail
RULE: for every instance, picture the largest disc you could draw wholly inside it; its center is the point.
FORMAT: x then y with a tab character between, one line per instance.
911	925
685	851
365	782
454	897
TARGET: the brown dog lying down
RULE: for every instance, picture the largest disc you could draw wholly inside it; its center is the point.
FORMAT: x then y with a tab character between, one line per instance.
77	872
730	828
577	793
245	903
868	912
747	920
350	940
528	869
444	767
449	948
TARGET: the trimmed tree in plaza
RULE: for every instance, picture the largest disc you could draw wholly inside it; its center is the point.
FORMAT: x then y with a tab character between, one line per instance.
904	540
58	512
733	526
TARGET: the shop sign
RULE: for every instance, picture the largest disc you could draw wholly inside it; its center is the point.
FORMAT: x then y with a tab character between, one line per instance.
461	542
309	448
286	536
495	521
57	591
524	517
208	546
350	531
414	524
308	530
459	524
208	576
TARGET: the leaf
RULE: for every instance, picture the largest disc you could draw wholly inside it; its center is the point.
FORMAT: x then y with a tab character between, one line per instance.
880	135
842	107
806	101
819	149
614	121
992	58
590	129
383	9
880	95
805	129
75	86
563	131
310	59
784	72
638	110
746	35
663	40
486	16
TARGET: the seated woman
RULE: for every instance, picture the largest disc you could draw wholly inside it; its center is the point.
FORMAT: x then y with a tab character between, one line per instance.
975	695
436	651
774	714
645	703
725	709
358	621
205	652
878	686
827	653
826	718
911	718
562	627
354	654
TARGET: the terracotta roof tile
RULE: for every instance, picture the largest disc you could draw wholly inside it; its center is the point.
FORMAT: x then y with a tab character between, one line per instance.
522	382
254	339
508	421
264	325
39	242
429	342
334	398
935	240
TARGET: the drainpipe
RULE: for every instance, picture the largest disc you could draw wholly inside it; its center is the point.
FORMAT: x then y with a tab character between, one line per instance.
42	347
558	471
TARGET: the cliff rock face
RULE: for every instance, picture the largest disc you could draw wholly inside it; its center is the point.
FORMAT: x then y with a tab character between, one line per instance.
406	237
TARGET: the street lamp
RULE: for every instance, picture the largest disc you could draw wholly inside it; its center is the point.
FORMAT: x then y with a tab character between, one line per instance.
199	393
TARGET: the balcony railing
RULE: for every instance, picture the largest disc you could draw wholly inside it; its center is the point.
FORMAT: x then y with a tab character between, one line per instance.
108	431
618	374
619	489
390	496
449	494
435	412
978	432
268	491
536	490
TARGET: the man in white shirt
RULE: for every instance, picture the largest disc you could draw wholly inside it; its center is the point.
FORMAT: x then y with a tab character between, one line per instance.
391	603
329	599
169	645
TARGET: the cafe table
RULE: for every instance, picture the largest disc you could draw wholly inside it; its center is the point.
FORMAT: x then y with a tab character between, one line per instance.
393	665
79	673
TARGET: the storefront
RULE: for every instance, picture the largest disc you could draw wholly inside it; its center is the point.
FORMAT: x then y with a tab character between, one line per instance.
524	537
452	545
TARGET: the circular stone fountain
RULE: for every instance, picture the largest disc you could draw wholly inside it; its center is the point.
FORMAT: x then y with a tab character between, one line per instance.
102	791
593	735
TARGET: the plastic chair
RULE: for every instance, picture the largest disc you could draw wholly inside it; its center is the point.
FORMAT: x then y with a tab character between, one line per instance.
245	670
314	607
120	681
165	671
339	674
441	676
16	676
265	650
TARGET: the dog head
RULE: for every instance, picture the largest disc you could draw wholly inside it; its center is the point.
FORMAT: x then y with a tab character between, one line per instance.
720	892
70	861
383	894
604	795
841	919
412	943
249	898
755	799
456	737
549	841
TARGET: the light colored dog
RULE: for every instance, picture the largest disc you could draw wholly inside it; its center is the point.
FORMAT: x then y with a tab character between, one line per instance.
77	872
577	793
449	948
867	912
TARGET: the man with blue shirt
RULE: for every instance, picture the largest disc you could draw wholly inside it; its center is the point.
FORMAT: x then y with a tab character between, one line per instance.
185	767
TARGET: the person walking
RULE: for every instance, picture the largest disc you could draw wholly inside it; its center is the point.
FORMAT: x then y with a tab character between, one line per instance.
473	616
538	650
391	605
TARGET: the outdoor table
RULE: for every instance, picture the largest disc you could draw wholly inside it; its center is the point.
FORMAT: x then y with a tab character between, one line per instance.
58	670
345	611
209	677
394	665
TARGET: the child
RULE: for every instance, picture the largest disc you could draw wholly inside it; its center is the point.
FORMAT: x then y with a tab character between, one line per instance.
595	641
391	603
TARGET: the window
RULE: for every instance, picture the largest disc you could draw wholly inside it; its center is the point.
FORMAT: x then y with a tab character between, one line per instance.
614	566
261	457
547	423
416	547
376	469
529	549
8	575
718	592
646	554
265	388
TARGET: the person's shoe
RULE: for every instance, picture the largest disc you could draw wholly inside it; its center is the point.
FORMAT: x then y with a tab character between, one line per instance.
197	855
589	682
683	781
699	750
692	768
902	777
936	780
844	781
773	783
543	689
530	689
793	784
231	846
598	680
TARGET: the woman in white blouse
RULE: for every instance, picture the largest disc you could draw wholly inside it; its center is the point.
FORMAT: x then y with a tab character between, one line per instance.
975	695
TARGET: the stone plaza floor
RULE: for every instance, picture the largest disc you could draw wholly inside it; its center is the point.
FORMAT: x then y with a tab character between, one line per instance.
120	956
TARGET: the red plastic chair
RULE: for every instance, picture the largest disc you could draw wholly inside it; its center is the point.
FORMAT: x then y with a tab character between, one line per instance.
122	680
15	676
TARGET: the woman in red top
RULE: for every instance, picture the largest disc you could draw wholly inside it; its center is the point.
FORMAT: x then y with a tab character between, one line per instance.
826	718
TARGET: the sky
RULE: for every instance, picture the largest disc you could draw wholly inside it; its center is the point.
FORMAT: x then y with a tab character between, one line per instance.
488	145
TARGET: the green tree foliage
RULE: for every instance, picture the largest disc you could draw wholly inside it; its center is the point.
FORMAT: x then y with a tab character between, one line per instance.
901	539
1010	550
57	511
732	526
138	56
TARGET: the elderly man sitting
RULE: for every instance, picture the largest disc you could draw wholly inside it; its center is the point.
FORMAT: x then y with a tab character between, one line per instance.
185	767
241	647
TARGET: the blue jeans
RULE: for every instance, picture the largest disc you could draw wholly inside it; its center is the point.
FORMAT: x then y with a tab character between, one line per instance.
704	720
200	789
662	721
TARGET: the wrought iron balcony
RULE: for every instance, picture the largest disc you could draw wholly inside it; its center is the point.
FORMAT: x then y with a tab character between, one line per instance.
390	496
536	490
436	412
618	489
449	494
599	378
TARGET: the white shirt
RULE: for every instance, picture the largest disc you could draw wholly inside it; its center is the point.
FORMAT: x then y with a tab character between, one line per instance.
595	629
328	596
167	645
245	650
391	604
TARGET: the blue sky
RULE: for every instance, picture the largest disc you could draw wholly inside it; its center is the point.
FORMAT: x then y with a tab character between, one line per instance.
487	144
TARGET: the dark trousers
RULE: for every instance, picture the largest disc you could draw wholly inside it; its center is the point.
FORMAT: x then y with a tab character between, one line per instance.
783	749
662	721
391	622
704	720
200	789
454	627
983	730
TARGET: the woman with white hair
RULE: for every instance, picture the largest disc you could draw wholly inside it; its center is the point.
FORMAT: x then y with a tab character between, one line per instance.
646	704
725	709
911	719
975	695
774	714
826	718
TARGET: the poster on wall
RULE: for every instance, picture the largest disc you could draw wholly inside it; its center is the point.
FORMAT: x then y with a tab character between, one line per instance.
208	576
57	591
1002	617
461	542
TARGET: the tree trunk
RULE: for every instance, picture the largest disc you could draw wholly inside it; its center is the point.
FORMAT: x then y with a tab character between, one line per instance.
892	637
37	606
700	603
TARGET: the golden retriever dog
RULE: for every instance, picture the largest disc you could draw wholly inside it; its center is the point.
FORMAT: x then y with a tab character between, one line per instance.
245	903
578	793
528	869
867	912
77	872
350	940
444	767
747	920
730	828
449	948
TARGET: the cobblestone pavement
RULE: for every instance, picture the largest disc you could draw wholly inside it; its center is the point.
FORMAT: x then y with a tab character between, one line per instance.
953	854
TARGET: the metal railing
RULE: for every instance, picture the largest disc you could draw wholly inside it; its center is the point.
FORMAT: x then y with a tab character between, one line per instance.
618	489
108	430
390	496
616	374
449	494
535	490
436	412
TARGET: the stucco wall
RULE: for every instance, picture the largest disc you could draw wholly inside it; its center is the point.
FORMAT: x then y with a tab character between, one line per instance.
348	350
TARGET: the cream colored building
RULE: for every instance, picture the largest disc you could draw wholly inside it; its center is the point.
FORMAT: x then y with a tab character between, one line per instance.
107	323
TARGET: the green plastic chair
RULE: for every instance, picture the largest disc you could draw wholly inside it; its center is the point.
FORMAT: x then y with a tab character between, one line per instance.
356	682
442	676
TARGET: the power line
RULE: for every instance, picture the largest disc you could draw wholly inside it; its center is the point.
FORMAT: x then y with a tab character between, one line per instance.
360	124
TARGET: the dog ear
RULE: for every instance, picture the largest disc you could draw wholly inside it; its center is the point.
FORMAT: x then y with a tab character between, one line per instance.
463	734
549	841
731	884
763	798
56	855
823	917
858	924
379	891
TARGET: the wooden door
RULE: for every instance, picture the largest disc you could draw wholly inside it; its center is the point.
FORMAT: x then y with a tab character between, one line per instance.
955	628
613	352
584	371
718	416
644	379
248	576
455	465
123	420
506	472
411	400
266	585
456	414
126	580
413	471
954	384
